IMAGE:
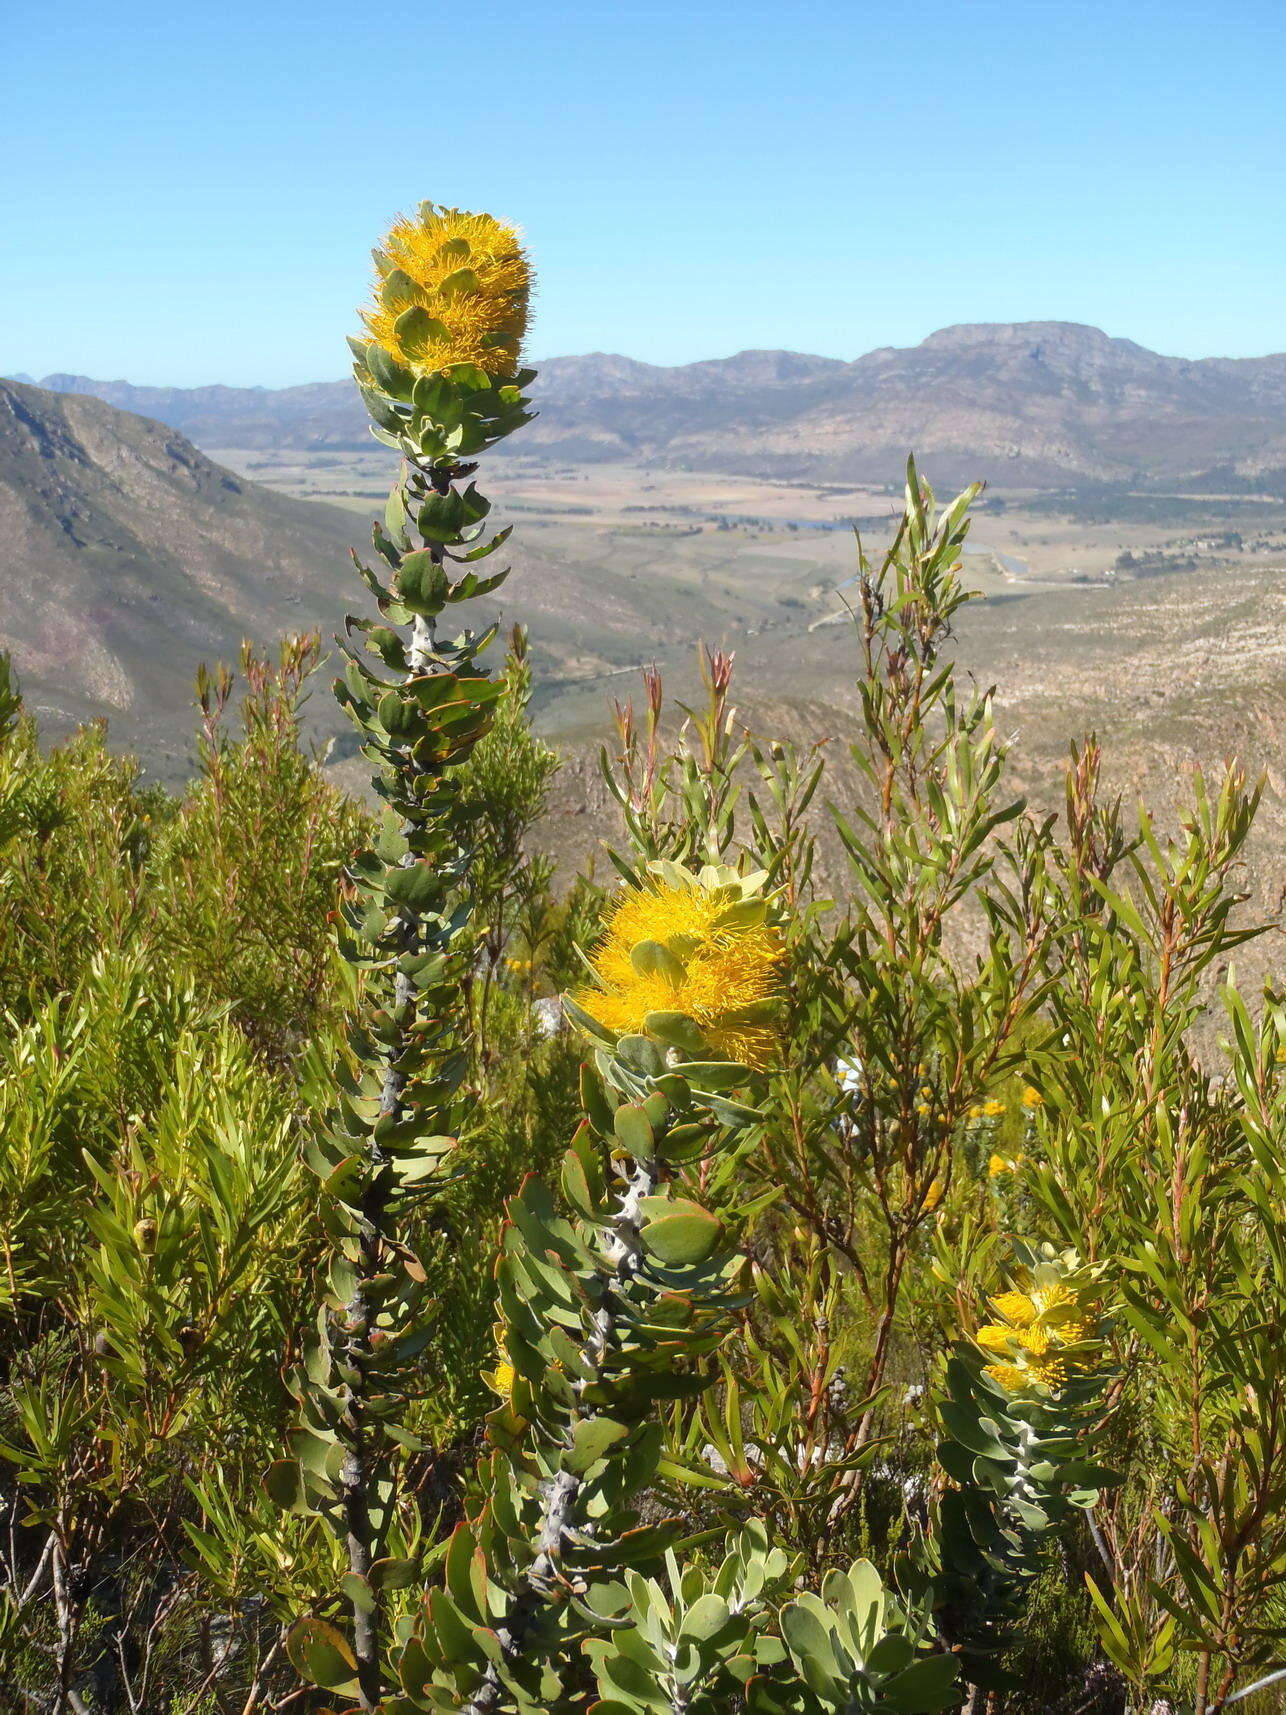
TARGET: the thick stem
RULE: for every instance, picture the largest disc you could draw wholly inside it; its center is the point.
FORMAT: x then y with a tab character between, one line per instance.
624	1253
376	1218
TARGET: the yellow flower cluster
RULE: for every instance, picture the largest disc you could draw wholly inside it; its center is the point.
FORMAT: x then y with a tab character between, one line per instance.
1001	1164
471	277
1039	1337
502	1379
992	1110
721	968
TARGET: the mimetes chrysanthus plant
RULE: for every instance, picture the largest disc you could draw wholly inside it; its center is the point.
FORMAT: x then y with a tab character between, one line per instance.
439	372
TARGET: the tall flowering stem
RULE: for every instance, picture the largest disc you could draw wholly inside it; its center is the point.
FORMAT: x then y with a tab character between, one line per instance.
439	376
1015	1413
607	1311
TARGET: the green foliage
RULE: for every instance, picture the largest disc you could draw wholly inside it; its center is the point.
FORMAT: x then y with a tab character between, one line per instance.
694	1638
263	905
708	1411
153	1219
855	1647
155	1224
677	804
502	789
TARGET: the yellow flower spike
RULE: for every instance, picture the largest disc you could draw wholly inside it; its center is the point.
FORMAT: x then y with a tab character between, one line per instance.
1043	1334
932	1197
469	277
718	964
1032	1097
1001	1164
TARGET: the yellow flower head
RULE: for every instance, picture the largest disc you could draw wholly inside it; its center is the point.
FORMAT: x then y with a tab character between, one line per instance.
1042	1333
699	946
502	1379
1000	1164
1032	1097
993	1109
932	1197
467	280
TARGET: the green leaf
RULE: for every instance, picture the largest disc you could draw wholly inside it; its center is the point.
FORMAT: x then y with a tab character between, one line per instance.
677	1029
462	280
706	1618
398	291
1114	1641
633	1128
679	1233
393	1574
418	331
321	1655
358	1591
806	1630
417	886
422	583
434	397
652	958
591	1026
929	1684
591	1439
387	373
283	1483
964	1426
441	516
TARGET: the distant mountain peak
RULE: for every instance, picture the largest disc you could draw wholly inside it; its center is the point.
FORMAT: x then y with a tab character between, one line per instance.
1029	403
1019	333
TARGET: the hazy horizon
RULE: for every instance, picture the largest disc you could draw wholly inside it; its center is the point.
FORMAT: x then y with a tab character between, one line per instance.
27	376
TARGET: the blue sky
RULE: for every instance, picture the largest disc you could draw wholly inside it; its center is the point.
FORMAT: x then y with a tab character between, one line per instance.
188	193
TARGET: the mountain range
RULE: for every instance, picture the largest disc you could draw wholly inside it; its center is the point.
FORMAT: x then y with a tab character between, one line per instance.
1031	404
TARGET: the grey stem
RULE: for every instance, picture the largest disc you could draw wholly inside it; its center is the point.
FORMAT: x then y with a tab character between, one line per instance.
1249	1690
624	1253
1096	1536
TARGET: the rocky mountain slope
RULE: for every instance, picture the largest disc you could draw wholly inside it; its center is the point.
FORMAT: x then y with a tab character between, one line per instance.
1032	403
127	557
